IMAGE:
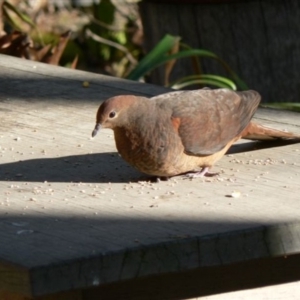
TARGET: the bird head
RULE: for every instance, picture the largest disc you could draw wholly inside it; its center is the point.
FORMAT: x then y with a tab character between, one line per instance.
112	112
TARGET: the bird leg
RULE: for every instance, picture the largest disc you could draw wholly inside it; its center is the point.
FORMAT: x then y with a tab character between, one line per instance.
204	172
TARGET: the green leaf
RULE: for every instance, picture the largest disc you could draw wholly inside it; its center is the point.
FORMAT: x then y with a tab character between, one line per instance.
209	79
283	105
22	16
154	57
105	11
203	53
10	20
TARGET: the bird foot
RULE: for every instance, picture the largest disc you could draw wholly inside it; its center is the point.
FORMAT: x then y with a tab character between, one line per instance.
159	179
156	178
203	173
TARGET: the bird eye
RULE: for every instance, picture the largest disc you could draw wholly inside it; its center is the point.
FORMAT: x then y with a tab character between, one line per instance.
112	114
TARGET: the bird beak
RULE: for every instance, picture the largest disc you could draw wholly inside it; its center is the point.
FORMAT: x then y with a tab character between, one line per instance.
95	131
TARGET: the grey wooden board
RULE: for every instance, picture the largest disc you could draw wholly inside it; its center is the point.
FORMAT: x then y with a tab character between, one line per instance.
258	39
74	215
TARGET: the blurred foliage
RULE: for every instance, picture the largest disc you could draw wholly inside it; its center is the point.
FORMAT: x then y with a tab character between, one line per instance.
16	42
104	38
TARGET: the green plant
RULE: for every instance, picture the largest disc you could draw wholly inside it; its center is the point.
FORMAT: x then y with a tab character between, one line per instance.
284	105
162	54
204	79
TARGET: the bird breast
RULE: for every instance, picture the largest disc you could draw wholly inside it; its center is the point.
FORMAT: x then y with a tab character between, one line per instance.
151	146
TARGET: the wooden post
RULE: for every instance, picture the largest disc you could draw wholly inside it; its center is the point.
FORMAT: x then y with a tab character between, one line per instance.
258	39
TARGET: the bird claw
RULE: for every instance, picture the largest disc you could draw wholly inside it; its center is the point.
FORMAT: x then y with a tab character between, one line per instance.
159	179
156	179
203	173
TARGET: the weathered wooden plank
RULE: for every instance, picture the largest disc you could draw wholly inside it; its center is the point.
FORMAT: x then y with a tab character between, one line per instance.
206	281
72	295
13	278
44	82
75	216
9	296
258	39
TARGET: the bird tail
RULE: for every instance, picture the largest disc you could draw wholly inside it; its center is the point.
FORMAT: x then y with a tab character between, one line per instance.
259	132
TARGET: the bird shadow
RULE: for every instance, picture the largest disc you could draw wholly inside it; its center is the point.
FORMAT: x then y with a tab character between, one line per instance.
247	145
94	168
100	168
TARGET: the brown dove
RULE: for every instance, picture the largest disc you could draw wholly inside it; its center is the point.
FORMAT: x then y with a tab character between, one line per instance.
182	131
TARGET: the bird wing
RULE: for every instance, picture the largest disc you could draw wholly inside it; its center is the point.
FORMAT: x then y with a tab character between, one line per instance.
207	120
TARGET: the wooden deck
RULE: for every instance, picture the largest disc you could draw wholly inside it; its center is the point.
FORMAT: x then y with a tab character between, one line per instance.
76	222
